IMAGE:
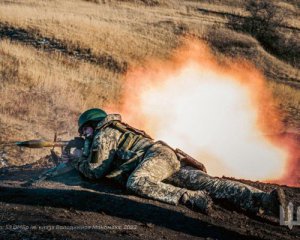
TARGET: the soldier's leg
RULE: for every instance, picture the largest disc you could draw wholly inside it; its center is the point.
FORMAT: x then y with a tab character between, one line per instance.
159	163
239	194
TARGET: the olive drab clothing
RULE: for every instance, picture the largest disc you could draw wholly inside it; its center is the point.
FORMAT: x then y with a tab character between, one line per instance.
159	163
110	149
152	169
130	157
239	194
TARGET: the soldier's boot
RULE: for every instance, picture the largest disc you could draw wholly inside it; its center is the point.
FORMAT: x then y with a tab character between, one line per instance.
269	203
197	200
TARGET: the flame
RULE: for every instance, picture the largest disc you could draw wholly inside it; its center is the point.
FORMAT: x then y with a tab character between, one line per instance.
218	111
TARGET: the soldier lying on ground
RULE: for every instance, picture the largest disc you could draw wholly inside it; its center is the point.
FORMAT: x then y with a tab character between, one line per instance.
150	169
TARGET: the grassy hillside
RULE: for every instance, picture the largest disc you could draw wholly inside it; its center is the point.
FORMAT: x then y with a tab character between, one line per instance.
58	58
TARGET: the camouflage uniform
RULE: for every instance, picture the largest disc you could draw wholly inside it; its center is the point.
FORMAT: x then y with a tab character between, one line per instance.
238	194
152	169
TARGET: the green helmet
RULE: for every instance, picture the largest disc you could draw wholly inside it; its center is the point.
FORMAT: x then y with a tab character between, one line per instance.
94	114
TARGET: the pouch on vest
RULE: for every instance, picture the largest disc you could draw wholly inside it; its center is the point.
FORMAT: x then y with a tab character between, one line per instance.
125	161
121	174
94	155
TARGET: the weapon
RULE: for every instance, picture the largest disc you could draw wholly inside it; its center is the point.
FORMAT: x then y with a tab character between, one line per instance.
77	142
189	160
184	157
60	166
41	144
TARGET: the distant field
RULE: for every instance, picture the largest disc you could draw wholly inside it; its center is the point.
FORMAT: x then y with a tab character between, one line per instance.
58	58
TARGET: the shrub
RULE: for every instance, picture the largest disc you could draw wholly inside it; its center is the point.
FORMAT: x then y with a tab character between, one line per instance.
266	23
264	18
9	70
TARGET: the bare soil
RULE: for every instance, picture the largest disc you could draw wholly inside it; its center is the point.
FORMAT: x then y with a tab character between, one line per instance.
70	207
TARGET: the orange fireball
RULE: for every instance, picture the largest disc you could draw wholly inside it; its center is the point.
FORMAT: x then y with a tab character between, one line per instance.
220	113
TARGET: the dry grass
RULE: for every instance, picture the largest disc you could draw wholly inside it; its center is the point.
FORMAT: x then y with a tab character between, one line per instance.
289	100
104	28
43	92
47	83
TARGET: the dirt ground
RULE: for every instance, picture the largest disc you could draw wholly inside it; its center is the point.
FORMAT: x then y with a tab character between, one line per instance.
70	207
49	45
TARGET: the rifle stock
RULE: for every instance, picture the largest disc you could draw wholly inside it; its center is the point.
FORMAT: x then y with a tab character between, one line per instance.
190	161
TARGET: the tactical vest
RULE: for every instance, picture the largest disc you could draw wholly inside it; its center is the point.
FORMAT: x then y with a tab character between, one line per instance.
126	160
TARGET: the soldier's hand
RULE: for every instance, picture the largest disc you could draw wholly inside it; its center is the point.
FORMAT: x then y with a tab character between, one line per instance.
68	157
76	153
54	157
65	157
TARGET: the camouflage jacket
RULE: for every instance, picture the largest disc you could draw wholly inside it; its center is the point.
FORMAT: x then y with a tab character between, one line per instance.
115	151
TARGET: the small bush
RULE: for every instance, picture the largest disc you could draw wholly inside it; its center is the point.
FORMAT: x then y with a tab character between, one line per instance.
93	1
262	22
151	2
9	70
266	23
264	18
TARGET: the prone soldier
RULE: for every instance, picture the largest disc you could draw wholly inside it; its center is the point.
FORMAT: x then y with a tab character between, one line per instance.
115	150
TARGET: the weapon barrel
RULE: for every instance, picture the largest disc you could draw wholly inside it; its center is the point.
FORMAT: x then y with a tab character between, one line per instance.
191	161
41	144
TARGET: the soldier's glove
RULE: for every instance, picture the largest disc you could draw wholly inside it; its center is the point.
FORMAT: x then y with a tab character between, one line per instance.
68	157
197	200
54	157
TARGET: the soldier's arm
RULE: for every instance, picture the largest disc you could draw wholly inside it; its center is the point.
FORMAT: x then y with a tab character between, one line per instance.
100	159
92	170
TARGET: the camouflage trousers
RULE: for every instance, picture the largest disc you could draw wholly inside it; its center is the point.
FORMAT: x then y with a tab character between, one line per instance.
234	193
160	176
